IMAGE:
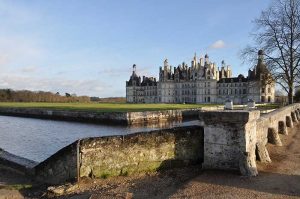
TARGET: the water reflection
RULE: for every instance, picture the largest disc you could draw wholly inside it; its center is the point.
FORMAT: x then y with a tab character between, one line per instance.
37	139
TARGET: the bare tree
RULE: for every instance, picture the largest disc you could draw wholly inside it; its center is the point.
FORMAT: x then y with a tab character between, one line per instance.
278	34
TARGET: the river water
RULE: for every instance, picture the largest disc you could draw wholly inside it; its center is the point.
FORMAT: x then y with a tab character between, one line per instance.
37	139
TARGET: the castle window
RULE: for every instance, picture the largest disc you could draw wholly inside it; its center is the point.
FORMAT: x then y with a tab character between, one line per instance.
244	91
269	90
262	90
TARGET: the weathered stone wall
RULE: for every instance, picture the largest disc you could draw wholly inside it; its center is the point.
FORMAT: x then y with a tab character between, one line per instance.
140	152
153	116
60	167
84	116
121	118
16	162
229	140
270	125
124	155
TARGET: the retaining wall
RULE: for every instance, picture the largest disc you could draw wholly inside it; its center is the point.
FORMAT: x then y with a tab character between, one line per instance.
121	118
124	155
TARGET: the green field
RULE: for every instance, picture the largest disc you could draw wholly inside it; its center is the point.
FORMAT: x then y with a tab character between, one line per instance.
102	107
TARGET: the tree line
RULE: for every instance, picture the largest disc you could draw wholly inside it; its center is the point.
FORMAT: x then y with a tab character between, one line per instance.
9	95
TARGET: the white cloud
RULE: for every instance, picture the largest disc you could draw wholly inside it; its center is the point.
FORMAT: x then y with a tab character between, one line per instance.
217	45
3	59
29	69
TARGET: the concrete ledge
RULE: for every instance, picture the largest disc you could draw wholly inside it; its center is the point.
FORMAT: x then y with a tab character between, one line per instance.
16	162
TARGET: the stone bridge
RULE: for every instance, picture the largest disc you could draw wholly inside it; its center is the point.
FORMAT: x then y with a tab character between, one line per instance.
236	139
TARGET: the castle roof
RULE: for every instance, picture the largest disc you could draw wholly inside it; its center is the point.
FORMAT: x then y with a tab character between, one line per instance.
239	78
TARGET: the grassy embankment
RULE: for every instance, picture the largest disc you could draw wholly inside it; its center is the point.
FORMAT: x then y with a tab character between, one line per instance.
102	107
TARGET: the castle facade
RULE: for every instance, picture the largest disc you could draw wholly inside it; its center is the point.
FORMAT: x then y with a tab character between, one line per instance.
202	82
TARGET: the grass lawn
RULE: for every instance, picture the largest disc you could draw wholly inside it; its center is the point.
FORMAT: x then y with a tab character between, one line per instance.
102	107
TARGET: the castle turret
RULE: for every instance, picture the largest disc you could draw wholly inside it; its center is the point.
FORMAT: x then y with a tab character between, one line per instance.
133	68
194	62
206	59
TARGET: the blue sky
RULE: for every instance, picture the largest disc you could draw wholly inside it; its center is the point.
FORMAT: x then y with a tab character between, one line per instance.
89	47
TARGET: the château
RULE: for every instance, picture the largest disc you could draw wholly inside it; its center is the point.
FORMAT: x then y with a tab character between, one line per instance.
202	82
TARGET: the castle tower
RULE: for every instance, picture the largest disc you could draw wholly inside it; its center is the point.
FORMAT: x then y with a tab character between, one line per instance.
261	67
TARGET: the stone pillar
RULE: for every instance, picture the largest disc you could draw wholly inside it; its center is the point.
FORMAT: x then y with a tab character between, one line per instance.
273	137
282	128
289	122
251	104
228	105
262	153
230	140
294	117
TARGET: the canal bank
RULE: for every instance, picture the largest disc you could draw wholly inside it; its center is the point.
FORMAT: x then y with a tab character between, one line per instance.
115	118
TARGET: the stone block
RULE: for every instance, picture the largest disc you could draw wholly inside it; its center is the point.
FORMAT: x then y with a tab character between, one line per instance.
273	137
282	129
262	153
289	122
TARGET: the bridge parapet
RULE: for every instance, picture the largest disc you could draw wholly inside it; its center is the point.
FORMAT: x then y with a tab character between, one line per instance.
235	139
230	140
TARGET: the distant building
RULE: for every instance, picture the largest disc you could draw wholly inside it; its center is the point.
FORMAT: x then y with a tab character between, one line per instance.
202	82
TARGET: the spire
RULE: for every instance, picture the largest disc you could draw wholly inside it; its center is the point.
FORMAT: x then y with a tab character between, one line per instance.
134	68
223	63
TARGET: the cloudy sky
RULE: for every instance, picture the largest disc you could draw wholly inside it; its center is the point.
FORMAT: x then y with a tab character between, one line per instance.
89	47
